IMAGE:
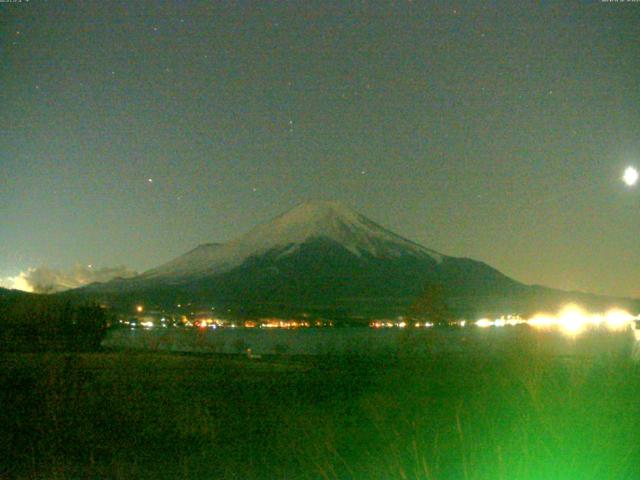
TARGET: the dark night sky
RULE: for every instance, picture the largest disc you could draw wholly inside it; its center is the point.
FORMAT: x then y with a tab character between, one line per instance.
493	130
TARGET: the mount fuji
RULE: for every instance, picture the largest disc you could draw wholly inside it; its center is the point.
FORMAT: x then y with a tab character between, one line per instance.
325	259
290	234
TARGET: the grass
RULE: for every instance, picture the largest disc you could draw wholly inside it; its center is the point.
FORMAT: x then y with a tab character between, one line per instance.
521	415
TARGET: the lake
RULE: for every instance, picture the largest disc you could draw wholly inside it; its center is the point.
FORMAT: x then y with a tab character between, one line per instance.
369	341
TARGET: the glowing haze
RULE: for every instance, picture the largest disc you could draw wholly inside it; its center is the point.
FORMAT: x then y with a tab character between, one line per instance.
50	280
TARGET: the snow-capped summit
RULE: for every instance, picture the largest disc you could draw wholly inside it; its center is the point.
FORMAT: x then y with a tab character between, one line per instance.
329	221
323	220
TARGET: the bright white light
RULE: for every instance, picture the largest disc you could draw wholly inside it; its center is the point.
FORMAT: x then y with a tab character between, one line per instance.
573	320
484	322
616	319
630	176
541	321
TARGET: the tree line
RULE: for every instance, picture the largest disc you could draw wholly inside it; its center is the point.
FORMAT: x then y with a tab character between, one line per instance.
32	323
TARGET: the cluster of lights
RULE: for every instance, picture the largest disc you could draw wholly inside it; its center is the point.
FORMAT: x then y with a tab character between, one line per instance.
571	320
278	323
503	321
262	323
398	324
205	323
147	323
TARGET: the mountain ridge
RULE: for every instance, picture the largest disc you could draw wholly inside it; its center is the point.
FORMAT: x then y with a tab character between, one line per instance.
329	260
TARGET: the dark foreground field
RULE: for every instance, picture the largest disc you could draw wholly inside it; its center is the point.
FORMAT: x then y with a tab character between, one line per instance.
523	415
